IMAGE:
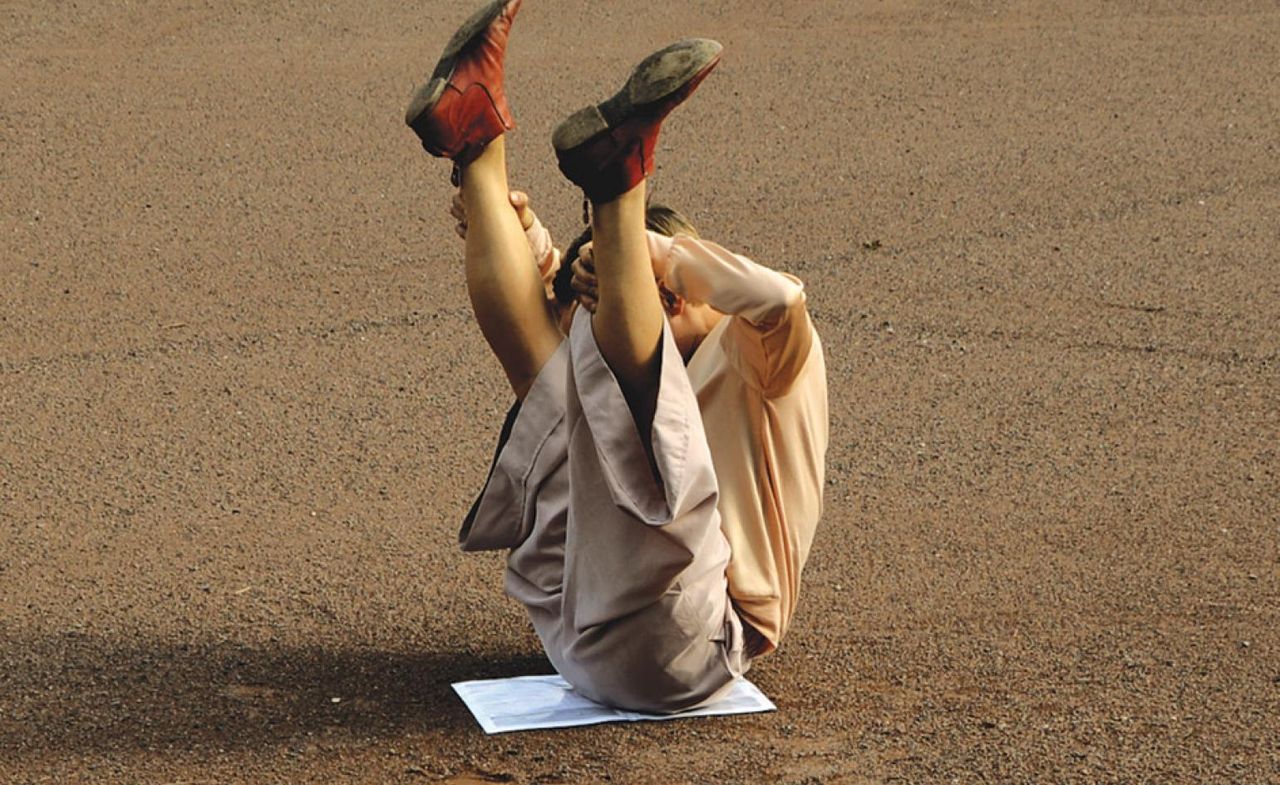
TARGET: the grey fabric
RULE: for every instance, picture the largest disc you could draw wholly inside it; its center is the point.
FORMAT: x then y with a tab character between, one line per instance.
623	574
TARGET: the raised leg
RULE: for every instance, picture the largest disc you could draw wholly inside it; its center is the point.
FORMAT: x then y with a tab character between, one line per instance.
628	320
461	113
607	150
502	279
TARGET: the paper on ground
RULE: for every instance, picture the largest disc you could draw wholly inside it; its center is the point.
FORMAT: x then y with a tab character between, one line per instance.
535	702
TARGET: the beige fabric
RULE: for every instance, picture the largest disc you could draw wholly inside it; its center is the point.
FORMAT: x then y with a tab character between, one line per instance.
622	576
628	581
761	384
545	254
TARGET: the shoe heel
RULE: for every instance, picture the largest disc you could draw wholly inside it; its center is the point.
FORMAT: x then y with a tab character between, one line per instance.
578	128
424	99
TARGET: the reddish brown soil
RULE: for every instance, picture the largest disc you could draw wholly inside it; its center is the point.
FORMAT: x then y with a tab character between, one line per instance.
243	403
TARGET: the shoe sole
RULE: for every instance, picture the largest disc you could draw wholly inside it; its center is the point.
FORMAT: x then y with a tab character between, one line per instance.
425	97
658	77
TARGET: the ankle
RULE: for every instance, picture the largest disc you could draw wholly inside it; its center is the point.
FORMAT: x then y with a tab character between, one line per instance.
619	209
488	170
619	224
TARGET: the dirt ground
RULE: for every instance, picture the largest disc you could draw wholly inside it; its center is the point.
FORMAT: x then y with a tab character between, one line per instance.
243	403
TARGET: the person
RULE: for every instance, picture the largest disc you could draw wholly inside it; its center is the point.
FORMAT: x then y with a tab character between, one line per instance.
659	478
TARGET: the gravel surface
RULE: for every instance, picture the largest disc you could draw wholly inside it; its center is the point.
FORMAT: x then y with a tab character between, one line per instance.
243	403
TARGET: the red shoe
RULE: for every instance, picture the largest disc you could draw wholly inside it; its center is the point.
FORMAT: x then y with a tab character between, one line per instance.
463	106
607	149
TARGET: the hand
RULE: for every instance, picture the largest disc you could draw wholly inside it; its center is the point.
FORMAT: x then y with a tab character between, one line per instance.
519	202
584	279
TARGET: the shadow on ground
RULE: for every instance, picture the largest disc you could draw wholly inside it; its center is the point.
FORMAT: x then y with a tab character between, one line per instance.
85	694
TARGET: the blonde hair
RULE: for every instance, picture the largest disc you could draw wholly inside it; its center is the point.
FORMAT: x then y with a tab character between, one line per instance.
667	220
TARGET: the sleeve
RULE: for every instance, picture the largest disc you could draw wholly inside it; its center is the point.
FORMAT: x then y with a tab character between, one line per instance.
545	254
771	330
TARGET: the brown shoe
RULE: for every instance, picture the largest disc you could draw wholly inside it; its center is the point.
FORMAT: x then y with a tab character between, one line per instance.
463	106
607	149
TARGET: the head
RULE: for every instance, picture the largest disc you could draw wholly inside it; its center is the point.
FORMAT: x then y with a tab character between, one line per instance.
690	322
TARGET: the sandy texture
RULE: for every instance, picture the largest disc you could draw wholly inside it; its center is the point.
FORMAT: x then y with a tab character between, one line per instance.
243	403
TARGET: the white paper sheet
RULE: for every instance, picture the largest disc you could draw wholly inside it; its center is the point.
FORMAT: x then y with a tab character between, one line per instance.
537	702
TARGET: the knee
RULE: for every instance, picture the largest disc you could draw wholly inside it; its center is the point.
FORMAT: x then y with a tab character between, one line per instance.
652	679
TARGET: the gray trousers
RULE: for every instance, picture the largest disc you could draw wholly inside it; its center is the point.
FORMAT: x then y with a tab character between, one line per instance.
623	576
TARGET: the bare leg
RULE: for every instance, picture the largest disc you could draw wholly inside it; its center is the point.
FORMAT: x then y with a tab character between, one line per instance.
502	279
607	150
628	320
